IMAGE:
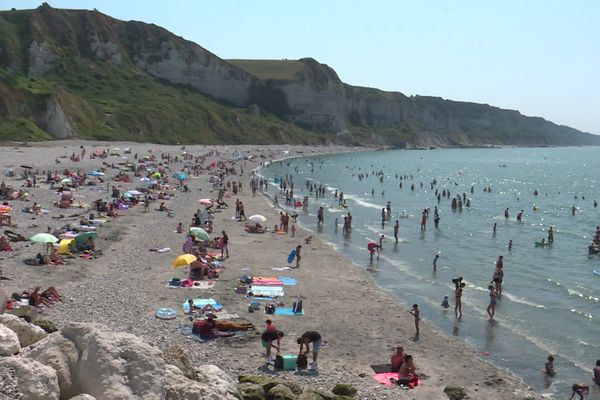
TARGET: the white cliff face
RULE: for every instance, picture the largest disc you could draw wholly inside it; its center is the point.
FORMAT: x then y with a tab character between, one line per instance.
316	109
104	50
41	59
198	68
55	121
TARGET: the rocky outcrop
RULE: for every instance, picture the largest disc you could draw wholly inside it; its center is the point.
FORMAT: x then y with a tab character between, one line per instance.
88	361
27	333
42	59
31	379
9	342
54	120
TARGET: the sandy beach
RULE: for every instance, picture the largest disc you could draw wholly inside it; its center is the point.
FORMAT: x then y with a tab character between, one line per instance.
123	287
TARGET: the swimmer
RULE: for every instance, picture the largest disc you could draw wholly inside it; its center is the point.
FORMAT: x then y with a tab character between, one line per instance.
445	303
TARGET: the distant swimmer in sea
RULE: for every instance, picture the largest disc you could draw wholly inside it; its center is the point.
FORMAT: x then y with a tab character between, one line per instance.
506	216
396	229
510	245
595	204
495	227
435	262
549	367
550	235
520	216
573	209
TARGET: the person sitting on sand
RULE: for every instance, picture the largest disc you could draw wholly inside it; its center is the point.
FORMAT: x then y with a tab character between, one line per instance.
5	244
407	373
56	258
35	298
193	308
397	359
36	209
206	329
179	228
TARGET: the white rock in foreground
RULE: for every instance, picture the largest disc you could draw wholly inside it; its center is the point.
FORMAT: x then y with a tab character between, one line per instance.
181	388
89	358
26	332
9	342
33	380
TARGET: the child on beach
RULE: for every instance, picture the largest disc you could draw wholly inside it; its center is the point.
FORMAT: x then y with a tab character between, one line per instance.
445	303
415	312
549	367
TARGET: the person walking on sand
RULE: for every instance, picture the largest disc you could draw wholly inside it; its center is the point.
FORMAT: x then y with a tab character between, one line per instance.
224	245
396	229
416	313
491	309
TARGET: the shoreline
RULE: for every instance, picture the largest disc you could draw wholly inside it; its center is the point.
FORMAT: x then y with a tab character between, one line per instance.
359	333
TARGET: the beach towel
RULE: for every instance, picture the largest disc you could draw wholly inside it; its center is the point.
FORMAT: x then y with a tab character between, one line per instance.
201	303
195	285
261	298
271	291
384	378
266	281
281	268
381	368
186	330
287	311
163	250
288	280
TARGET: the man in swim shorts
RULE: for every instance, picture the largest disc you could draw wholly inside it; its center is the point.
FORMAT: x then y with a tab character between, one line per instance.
305	340
267	339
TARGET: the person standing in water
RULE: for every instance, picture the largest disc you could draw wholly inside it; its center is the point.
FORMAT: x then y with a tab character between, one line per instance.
506	216
458	292
382	218
396	229
435	262
491	309
550	235
498	276
495	227
520	216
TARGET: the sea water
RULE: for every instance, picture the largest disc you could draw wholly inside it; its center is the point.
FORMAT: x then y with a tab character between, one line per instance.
551	298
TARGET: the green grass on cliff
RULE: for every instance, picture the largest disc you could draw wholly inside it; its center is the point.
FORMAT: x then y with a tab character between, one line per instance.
108	102
270	69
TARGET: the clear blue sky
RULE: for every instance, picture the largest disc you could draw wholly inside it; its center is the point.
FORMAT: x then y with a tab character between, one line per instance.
541	57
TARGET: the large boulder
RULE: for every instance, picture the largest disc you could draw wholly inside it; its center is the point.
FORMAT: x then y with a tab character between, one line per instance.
89	358
251	391
32	380
178	387
281	392
9	342
29	313
176	355
217	379
26	332
3	299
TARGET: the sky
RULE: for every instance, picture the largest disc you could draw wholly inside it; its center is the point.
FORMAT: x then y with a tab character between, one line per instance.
541	57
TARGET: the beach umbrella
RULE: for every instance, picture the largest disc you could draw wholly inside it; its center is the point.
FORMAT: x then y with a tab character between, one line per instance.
180	176
43	238
257	218
96	173
127	195
183	260
206	202
63	247
145	179
134	192
156	175
67	180
200	233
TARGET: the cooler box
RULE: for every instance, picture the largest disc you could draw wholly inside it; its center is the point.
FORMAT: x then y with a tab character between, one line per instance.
302	362
286	362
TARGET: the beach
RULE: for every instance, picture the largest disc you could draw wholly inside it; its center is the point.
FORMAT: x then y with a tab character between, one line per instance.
123	286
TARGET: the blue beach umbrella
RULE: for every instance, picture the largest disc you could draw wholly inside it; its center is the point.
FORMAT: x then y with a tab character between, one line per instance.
180	176
95	173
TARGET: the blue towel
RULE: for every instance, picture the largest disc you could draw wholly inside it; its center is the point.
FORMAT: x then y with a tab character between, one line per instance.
288	280
287	311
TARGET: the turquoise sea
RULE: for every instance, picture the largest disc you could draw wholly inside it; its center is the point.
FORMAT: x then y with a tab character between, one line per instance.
551	298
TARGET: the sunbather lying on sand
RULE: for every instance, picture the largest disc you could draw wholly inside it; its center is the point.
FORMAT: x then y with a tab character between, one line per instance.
35	298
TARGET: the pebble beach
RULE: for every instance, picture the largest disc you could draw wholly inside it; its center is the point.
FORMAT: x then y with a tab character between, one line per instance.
124	285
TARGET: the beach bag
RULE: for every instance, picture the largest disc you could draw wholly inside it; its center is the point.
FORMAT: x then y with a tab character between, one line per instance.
245	279
302	362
